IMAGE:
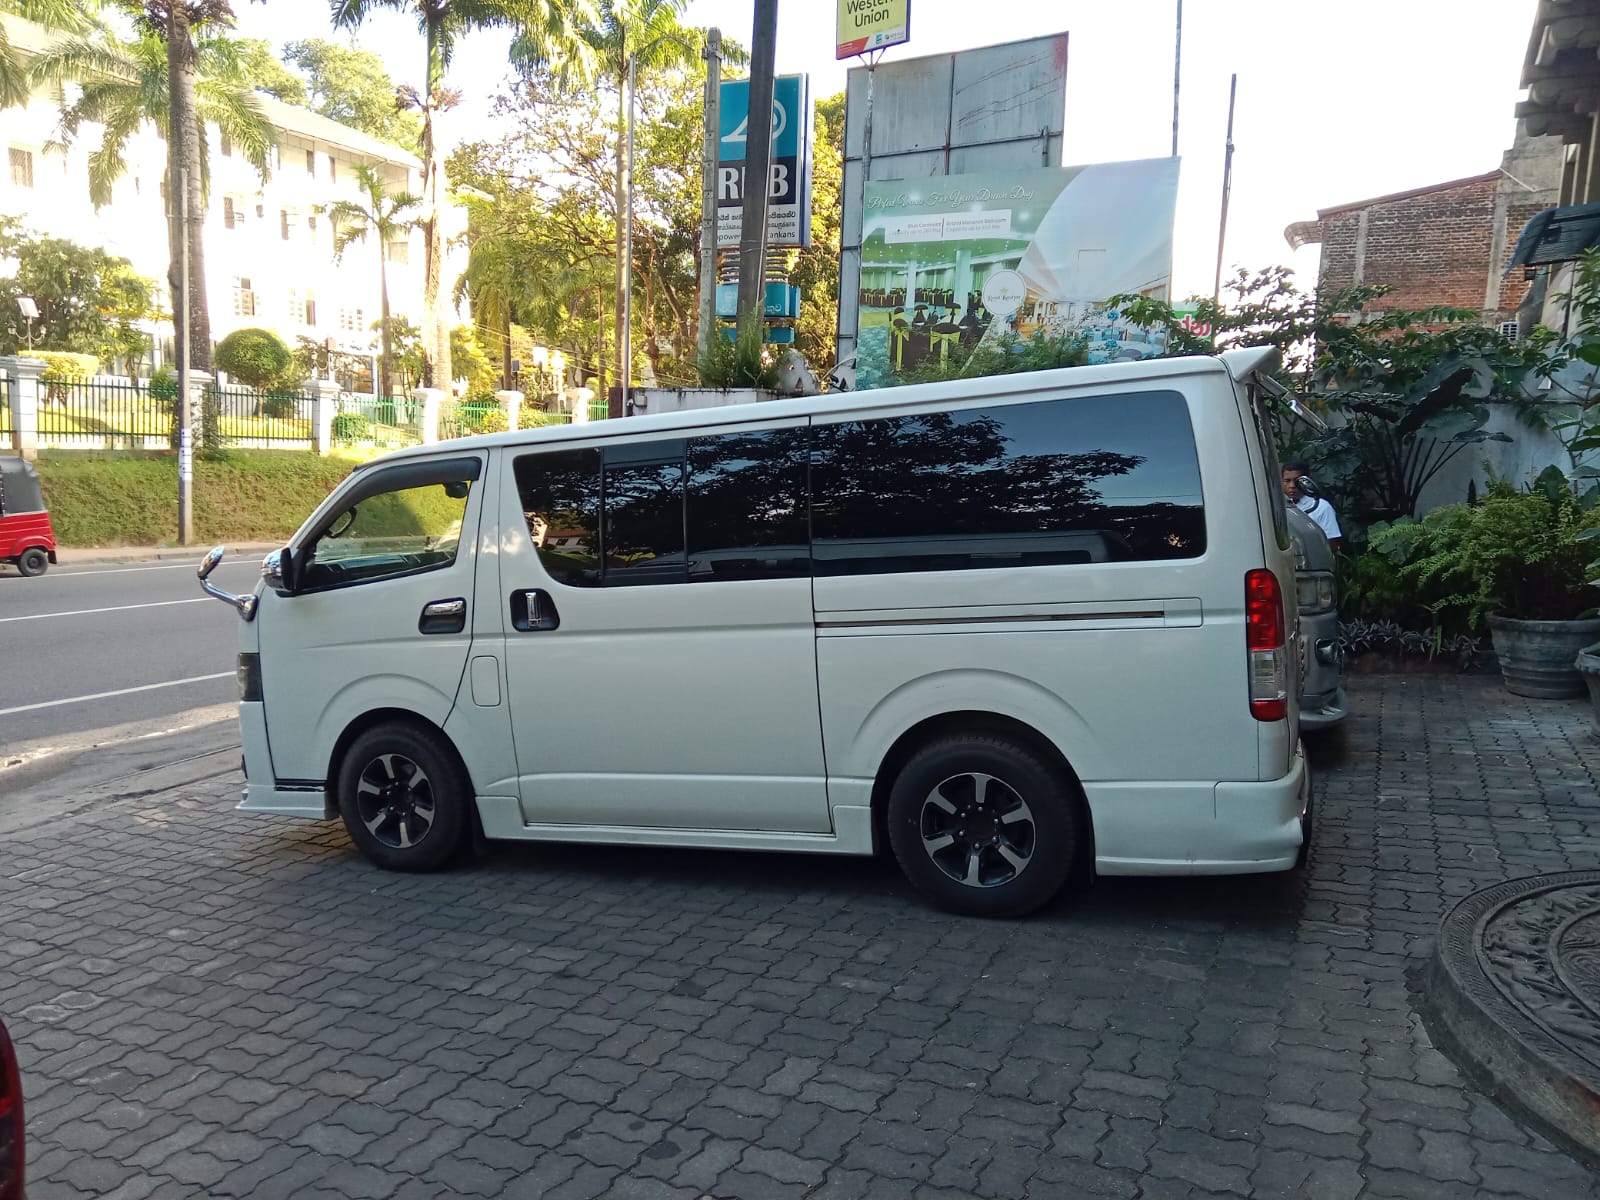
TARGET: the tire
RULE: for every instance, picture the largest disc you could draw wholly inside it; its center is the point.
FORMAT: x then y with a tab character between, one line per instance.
403	797
960	843
33	562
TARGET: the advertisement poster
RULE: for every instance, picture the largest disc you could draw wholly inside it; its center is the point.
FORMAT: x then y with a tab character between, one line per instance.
867	25
950	261
789	190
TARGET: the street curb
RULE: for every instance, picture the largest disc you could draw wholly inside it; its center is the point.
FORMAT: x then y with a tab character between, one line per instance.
74	557
1507	1052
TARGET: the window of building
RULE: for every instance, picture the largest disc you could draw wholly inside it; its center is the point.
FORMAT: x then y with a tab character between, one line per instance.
311	226
1509	330
283	223
311	310
244	300
333	169
352	320
230	214
227	146
261	211
21	167
311	162
399	252
1092	479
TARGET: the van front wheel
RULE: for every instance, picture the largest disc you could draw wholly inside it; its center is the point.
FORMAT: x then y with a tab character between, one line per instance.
984	825
402	798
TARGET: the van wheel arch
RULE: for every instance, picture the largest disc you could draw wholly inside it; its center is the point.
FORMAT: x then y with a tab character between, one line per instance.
973	722
392	716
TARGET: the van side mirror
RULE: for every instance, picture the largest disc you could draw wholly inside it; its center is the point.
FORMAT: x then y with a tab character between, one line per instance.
280	570
1308	487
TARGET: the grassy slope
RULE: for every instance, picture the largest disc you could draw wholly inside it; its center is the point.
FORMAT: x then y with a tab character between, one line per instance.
122	500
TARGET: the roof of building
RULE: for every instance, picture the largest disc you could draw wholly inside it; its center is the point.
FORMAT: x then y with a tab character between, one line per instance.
32	39
1560	69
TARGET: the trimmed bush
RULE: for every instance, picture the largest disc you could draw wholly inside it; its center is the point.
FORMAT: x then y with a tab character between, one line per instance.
257	358
63	367
352	427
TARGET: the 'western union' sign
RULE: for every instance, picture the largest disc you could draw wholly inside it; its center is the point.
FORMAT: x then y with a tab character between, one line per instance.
866	25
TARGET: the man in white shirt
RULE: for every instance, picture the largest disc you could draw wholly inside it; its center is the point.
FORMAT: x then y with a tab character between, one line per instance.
1315	507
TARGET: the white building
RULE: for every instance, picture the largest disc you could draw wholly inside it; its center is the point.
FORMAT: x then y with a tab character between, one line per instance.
269	253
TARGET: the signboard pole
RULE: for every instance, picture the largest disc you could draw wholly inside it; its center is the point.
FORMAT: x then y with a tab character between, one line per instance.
1177	61
758	162
708	190
625	267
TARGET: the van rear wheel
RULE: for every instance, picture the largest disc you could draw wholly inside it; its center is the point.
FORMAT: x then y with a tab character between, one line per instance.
33	562
984	825
403	798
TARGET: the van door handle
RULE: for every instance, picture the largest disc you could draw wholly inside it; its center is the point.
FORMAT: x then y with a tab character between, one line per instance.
533	610
443	616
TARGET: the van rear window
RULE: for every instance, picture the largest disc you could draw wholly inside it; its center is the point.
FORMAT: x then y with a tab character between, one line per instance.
1075	480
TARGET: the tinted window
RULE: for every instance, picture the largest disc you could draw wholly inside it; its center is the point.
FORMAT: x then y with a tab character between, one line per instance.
561	500
746	507
643	490
1095	479
399	532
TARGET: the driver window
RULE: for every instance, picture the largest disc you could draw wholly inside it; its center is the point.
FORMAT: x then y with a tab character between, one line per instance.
393	533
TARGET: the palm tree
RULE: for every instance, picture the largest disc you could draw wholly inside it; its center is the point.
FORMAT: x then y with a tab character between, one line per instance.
179	84
627	37
381	213
66	16
540	32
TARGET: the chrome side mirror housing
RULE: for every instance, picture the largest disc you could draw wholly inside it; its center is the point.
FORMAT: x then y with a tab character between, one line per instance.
245	606
272	570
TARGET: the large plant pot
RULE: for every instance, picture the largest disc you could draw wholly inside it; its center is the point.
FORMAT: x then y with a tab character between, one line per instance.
1588	665
1537	657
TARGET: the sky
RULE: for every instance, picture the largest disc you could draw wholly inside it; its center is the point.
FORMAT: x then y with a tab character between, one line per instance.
1336	101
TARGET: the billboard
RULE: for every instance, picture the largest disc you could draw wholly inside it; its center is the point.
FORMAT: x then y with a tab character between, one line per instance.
789	184
948	262
867	25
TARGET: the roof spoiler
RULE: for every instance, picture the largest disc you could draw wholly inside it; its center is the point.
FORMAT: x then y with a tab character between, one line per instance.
1257	366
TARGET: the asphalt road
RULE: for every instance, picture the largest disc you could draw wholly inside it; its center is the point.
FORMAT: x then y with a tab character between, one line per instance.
94	652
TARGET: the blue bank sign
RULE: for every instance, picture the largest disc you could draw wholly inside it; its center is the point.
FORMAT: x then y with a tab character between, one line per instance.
789	181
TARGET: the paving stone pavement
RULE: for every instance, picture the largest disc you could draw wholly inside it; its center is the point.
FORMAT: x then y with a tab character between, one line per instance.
210	1004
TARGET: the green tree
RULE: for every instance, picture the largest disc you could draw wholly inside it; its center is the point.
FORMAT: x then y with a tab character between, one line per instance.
631	37
351	86
90	302
541	31
266	74
179	84
383	214
257	358
65	16
816	267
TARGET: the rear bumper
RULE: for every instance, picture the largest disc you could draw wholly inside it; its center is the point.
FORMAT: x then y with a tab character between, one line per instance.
1329	710
1200	829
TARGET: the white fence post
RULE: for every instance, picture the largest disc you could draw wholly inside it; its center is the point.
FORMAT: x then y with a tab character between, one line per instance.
199	385
513	403
24	398
325	399
429	398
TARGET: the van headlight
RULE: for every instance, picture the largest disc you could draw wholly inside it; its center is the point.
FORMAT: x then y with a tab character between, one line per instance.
1315	591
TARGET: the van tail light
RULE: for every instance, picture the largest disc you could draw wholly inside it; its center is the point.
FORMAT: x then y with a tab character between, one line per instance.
1266	646
11	1155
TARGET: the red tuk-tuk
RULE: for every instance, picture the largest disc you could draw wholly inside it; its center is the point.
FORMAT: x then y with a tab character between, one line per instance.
26	537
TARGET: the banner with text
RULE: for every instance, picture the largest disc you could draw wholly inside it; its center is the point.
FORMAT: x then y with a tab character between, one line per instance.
951	261
789	180
868	25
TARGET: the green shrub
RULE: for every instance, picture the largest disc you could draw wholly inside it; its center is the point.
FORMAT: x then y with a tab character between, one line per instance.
743	362
352	427
279	404
62	367
257	358
1523	554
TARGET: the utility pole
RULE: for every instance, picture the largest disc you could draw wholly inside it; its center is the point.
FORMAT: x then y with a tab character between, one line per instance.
1227	184
1177	61
708	190
757	164
625	267
182	402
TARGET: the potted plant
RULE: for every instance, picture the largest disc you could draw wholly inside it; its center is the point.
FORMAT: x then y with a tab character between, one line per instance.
1517	561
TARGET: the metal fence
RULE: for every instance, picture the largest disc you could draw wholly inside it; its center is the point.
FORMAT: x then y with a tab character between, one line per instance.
5	413
99	415
262	420
383	422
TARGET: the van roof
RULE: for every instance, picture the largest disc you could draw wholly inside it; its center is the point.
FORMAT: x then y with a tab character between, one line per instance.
1236	363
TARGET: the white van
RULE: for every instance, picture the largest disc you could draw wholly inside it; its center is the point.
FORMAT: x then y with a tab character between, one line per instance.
1015	628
